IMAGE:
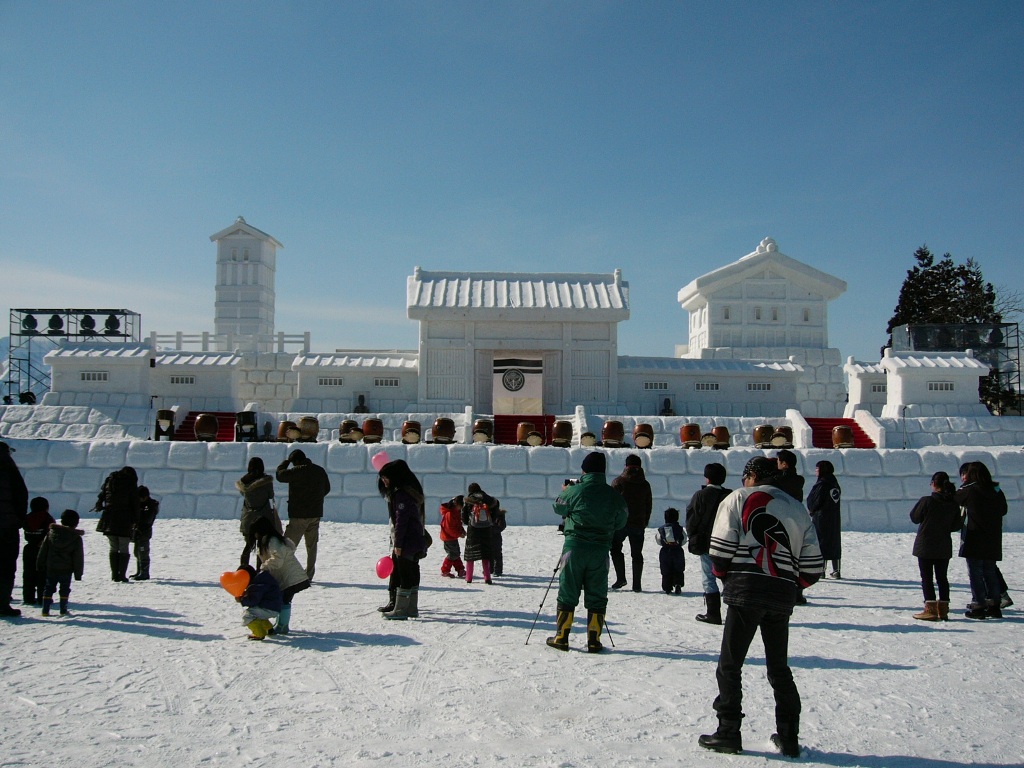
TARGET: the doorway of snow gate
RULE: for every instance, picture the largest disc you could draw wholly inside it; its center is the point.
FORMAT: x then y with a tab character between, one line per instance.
518	387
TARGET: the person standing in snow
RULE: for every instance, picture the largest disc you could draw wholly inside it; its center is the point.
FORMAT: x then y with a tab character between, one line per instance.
823	504
499	523
257	489
308	486
13	511
763	547
119	514
61	556
477	516
404	495
451	532
700	518
981	544
592	511
671	537
149	508
936	516
636	491
37	525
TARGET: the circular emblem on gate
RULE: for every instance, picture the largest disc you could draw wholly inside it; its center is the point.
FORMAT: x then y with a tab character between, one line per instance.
513	380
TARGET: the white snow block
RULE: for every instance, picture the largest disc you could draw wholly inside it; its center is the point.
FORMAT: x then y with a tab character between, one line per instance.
216	507
425	457
202	483
547	460
227	457
668	462
343	457
442	486
659	487
515	512
80	432
147	455
541	512
81	503
1008	464
853	489
342	511
110	432
467	459
102	415
271	453
51	431
865	463
869	516
523	486
74	414
899	518
65	454
682	487
375	512
362	485
897	462
107	455
506	459
939	460
883	488
29	454
161	481
554	485
191	456
82	481
43	481
180	505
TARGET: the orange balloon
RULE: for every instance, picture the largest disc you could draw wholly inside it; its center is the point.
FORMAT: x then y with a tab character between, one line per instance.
234	582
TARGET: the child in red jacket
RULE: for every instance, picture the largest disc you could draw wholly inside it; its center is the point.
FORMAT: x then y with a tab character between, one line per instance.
451	532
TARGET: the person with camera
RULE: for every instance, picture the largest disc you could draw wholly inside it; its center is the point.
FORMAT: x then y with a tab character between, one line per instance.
591	511
308	485
763	547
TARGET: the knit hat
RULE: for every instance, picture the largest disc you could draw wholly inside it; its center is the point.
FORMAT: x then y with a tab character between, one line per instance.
633	461
594	462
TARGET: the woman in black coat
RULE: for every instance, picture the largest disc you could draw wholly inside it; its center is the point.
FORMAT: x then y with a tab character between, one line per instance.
119	505
823	504
257	489
937	516
404	494
981	540
478	512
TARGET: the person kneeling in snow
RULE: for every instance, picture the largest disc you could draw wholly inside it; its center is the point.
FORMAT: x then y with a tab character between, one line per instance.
262	601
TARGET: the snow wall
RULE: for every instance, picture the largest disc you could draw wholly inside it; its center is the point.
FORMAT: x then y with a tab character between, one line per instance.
197	480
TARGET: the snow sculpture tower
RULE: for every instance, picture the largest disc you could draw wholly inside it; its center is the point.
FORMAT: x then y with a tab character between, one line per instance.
244	306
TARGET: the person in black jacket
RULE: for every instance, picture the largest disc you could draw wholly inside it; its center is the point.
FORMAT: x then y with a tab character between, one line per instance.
37	524
149	508
823	504
308	486
635	489
700	519
13	510
119	514
981	541
61	556
788	478
937	516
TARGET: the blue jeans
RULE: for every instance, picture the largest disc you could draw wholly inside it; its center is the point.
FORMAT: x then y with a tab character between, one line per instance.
707	579
984	578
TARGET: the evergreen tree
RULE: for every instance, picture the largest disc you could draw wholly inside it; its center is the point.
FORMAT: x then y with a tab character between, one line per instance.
946	292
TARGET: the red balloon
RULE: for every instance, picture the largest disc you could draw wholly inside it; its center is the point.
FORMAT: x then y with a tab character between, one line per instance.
384	567
235	582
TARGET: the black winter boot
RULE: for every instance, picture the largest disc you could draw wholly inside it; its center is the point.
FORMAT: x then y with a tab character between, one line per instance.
619	563
638	570
115	566
6	590
63	606
47	602
786	739
390	605
726	739
713	614
123	560
141	568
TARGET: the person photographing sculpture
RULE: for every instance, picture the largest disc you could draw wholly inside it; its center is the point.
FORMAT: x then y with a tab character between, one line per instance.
591	511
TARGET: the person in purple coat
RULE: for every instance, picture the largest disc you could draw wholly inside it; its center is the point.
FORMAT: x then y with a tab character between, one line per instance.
404	495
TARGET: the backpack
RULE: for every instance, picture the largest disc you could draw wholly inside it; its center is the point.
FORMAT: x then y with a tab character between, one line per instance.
481	515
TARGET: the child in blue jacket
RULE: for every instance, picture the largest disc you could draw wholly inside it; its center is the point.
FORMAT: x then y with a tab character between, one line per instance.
262	601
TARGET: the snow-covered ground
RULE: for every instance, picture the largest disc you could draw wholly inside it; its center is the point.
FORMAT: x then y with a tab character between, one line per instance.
160	673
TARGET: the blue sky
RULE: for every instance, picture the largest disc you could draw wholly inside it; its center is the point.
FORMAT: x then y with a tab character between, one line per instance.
665	139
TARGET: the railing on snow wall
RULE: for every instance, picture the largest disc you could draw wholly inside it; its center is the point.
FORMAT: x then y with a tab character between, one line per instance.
214	342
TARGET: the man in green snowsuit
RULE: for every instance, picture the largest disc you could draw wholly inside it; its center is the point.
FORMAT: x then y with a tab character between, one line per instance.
592	512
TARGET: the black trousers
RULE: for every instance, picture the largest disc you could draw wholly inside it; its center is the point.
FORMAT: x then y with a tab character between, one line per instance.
741	624
939	568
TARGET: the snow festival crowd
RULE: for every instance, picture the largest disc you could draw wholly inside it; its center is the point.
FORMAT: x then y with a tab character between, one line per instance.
762	542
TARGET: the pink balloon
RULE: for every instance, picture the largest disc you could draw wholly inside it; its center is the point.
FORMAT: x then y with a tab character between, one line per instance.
378	460
384	566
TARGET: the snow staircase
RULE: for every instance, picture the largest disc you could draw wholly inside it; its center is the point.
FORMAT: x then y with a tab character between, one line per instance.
821	432
186	431
505	427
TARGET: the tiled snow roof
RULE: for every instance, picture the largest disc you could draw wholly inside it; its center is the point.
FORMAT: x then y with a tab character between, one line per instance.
101	350
178	357
693	365
947	362
389	359
494	293
857	367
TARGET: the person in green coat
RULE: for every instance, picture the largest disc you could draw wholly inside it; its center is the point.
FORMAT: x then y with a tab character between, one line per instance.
592	511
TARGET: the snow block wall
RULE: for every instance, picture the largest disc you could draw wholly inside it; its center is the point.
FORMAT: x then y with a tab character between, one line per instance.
197	480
